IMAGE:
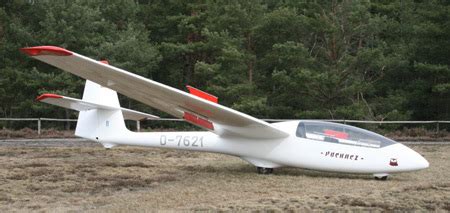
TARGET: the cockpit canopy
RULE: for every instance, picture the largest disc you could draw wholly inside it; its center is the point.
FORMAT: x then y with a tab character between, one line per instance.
340	133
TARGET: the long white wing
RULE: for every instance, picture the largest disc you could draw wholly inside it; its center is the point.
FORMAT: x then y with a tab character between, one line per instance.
219	119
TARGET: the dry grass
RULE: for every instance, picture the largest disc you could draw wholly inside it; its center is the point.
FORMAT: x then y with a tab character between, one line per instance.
142	179
419	134
31	133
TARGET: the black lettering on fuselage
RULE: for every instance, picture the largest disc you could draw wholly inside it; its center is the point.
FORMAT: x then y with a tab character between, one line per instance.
342	156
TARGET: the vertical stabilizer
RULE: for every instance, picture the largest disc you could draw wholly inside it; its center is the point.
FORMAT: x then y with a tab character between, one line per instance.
100	124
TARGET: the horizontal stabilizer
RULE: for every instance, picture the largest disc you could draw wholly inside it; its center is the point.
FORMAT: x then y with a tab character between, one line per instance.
80	105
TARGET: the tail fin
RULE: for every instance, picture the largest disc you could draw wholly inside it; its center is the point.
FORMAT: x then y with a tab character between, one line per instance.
100	124
101	118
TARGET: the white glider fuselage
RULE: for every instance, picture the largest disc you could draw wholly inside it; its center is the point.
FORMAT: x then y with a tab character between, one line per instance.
290	151
306	144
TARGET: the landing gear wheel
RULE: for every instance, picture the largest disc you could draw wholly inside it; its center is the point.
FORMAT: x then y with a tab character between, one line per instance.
383	178
264	171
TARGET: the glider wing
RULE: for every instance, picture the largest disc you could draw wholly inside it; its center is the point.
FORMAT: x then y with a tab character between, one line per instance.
198	108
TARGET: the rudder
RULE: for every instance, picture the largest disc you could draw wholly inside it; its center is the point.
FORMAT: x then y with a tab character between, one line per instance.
100	124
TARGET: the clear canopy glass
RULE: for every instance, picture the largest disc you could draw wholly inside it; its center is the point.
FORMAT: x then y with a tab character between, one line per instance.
341	133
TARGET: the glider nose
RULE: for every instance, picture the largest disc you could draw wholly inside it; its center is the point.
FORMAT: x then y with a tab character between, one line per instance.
421	162
415	161
404	159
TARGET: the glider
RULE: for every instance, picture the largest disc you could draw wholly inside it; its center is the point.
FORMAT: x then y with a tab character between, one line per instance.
306	144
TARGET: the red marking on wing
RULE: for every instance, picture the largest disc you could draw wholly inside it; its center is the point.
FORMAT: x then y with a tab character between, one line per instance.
201	94
46	50
47	95
336	134
104	61
198	121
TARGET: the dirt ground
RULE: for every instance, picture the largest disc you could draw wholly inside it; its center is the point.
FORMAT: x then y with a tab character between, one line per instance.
86	177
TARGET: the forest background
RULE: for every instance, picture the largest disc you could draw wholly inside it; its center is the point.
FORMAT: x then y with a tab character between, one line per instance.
291	59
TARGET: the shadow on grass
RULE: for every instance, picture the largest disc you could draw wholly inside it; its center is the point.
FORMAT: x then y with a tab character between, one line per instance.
236	169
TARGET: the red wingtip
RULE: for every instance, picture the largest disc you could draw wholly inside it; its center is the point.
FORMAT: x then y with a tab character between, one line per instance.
46	50
47	95
201	94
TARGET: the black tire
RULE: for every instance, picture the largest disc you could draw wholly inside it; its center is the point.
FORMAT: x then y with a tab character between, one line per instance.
264	171
382	178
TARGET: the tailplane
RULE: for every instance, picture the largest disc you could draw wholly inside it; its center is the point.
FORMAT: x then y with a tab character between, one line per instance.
101	118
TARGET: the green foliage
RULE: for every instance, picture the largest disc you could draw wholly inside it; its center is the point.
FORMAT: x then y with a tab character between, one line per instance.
383	60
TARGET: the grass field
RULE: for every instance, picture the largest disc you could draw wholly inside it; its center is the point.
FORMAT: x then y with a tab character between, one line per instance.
90	178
